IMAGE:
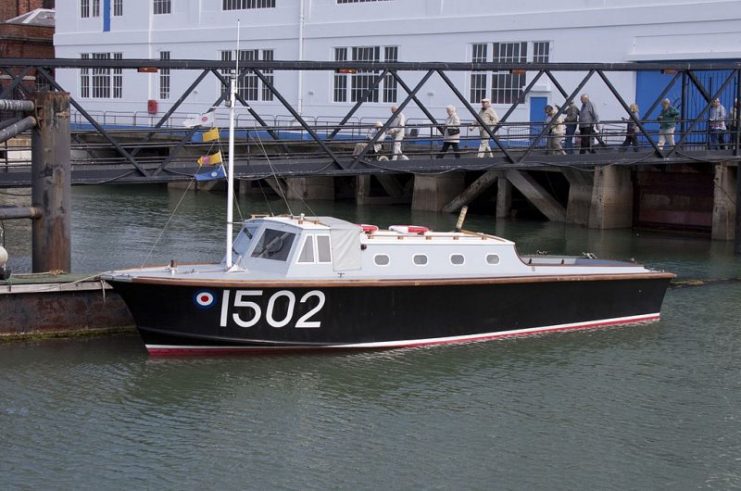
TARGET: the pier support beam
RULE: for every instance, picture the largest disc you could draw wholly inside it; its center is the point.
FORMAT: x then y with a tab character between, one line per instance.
310	188
504	198
52	183
472	192
432	193
581	184
612	198
538	196
724	206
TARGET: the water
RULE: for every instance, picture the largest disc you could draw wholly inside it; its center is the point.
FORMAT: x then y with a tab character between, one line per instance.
642	407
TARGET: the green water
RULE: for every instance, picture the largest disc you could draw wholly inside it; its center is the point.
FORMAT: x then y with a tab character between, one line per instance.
643	407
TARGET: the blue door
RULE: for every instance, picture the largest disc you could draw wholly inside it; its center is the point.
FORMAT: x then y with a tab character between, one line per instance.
537	115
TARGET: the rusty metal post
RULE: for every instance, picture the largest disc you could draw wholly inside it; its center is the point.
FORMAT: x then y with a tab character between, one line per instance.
51	183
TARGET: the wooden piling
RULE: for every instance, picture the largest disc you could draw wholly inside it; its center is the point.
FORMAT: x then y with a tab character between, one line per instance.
51	178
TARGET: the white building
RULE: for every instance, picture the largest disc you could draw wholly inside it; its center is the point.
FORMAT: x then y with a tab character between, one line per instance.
384	30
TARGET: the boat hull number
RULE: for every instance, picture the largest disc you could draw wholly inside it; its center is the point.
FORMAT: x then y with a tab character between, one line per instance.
247	308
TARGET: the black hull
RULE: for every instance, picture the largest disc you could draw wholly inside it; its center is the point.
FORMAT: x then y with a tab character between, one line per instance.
218	318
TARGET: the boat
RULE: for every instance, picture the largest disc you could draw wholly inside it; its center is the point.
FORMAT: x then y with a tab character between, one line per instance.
296	282
301	283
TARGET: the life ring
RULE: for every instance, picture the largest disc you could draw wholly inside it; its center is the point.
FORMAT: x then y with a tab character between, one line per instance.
409	229
369	229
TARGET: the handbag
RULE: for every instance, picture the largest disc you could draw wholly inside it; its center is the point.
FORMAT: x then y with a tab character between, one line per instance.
453	131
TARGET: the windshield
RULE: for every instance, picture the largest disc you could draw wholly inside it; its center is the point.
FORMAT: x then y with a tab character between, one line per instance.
243	240
274	244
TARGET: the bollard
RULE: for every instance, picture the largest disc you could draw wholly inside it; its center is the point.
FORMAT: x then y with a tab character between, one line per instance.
51	183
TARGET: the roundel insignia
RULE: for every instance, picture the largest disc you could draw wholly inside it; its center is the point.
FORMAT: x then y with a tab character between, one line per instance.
204	299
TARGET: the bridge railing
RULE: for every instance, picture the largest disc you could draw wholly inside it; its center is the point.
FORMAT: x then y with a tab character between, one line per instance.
690	87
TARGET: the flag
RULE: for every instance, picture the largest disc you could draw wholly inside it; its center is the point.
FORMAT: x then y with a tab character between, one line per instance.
205	119
213	159
211	135
211	174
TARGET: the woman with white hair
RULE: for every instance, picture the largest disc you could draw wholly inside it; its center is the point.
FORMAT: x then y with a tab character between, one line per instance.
451	133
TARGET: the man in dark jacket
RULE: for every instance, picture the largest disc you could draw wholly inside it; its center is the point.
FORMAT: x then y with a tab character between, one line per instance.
588	121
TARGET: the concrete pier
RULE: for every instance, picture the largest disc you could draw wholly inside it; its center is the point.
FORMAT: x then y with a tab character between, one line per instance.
301	188
724	202
432	193
50	305
612	198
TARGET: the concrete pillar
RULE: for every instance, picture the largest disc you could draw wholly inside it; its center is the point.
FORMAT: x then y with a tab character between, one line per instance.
51	175
504	198
580	195
724	205
432	193
310	188
612	198
362	189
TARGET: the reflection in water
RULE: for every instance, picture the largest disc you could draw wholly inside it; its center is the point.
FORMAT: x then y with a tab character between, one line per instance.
650	406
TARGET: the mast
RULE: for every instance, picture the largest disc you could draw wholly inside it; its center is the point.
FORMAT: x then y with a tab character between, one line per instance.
230	166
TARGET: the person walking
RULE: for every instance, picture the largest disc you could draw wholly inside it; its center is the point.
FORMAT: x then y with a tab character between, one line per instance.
571	120
631	130
489	116
396	131
375	151
667	121
733	124
556	131
451	133
588	121
717	125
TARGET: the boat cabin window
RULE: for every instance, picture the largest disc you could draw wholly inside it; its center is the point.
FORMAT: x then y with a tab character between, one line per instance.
325	252
307	251
457	259
274	244
420	259
492	259
381	260
243	240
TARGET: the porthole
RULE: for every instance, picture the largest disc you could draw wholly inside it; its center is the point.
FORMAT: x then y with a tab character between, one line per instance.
457	259
492	259
381	260
420	259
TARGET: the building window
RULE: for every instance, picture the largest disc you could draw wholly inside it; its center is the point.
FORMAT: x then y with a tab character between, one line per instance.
249	86
89	8
162	7
503	87
340	79
391	53
362	80
479	86
85	78
101	82
541	51
248	4
117	78
164	77
117	8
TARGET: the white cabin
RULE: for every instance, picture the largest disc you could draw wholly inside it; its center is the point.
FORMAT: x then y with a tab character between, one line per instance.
329	249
